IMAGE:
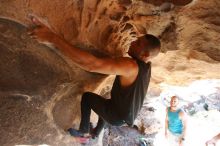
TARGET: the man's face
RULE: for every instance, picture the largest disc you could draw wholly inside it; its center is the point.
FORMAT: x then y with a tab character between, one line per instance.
137	47
137	50
174	101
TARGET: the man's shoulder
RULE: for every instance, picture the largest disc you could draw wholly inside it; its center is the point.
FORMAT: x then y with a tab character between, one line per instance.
132	64
128	59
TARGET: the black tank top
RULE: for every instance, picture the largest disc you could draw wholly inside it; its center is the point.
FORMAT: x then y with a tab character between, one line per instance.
128	101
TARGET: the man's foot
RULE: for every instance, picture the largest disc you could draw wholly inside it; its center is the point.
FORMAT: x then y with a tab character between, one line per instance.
81	140
92	131
75	133
94	135
79	136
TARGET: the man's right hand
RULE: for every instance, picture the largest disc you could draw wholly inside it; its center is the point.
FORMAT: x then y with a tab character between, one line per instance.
181	142
41	32
166	135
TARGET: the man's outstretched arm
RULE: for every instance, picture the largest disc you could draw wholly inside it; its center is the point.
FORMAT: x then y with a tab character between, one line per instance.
122	66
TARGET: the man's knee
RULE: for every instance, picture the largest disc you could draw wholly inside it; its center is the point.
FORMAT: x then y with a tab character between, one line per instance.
85	97
86	94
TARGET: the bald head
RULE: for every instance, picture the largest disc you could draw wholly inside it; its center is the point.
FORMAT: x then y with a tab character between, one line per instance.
153	44
145	47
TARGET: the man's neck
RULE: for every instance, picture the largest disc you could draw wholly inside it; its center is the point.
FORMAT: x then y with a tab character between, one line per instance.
173	108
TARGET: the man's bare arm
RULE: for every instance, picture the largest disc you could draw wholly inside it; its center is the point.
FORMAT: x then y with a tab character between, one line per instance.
119	66
122	66
184	120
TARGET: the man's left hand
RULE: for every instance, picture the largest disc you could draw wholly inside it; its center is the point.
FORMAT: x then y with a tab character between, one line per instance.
181	142
41	32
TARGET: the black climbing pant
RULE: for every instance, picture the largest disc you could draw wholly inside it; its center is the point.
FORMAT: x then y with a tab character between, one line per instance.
103	108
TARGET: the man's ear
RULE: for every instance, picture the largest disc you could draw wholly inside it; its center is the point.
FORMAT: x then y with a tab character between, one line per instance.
145	54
